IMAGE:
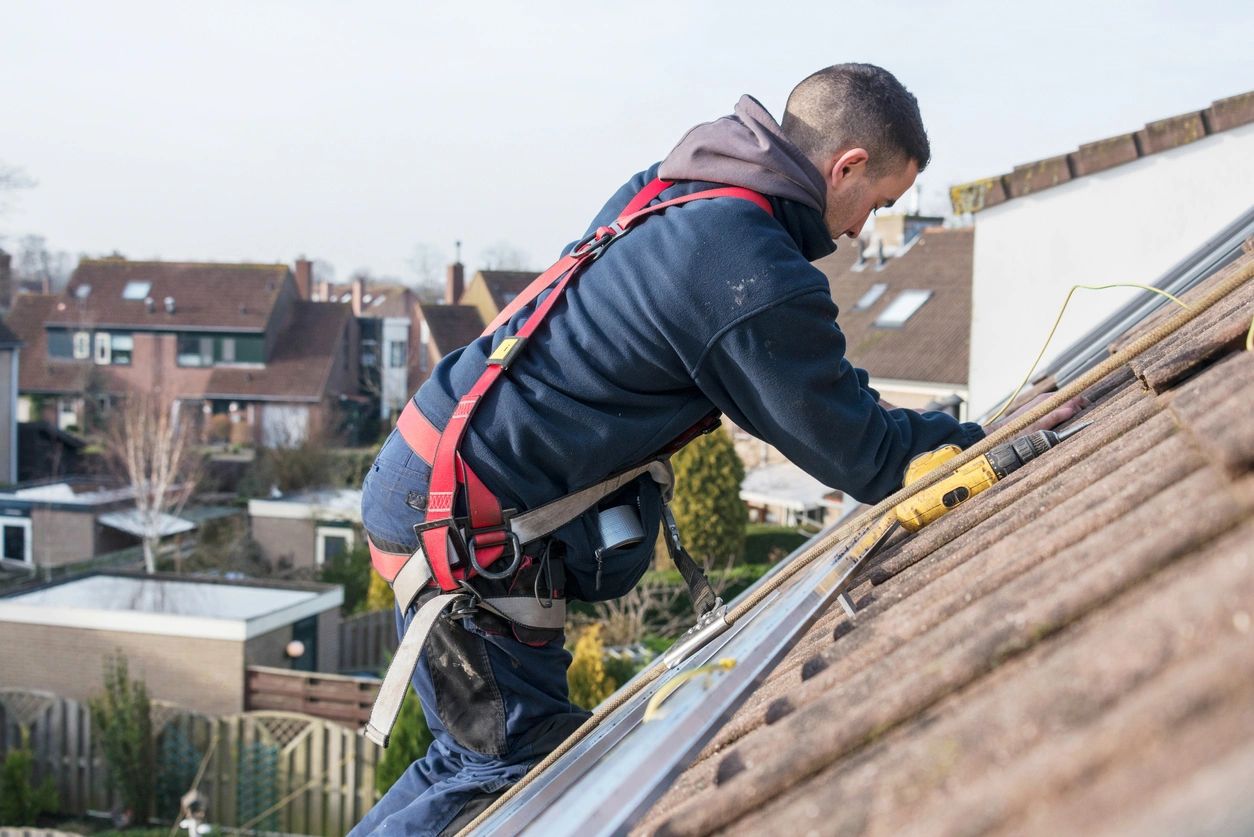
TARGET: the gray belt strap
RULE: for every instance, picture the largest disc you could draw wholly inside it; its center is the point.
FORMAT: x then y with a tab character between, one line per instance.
537	523
387	704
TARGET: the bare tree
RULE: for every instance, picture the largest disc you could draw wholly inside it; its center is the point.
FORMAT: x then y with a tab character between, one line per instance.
11	179
39	264
426	264
648	608
504	256
152	446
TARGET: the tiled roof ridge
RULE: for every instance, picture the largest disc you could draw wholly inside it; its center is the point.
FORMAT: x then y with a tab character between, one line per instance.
105	260
1160	135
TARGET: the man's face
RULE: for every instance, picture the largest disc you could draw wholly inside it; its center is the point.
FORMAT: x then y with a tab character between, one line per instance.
853	194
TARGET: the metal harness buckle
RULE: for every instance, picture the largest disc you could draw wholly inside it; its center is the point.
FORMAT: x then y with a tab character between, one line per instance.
462	540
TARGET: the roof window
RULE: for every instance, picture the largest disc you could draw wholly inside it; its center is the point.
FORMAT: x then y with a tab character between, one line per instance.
871	296
136	290
82	291
902	308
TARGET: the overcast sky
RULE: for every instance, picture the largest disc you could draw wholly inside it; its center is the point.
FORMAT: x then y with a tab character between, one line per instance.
263	130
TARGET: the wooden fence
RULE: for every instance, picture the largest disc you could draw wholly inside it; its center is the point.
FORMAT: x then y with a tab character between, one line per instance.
367	641
334	697
264	771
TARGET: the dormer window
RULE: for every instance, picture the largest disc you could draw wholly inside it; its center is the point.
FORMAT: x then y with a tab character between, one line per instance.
136	290
82	345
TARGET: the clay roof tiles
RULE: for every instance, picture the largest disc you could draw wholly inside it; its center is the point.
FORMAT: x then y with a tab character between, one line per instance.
1162	135
452	326
1070	652
933	344
239	297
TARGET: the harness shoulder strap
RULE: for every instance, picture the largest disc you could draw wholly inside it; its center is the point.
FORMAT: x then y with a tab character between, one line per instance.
489	534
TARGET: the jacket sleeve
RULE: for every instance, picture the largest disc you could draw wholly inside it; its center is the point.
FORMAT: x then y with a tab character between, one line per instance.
781	374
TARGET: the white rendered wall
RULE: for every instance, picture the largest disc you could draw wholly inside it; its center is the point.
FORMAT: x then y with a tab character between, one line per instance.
395	378
1127	224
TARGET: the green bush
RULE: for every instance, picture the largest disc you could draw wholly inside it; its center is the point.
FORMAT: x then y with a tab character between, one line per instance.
707	505
350	569
408	743
767	544
122	723
587	678
21	803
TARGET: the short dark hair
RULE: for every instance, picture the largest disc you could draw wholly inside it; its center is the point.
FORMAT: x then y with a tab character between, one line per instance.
856	105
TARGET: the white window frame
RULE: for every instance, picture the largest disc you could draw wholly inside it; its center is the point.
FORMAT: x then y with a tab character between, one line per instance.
104	348
904	306
82	345
22	523
320	546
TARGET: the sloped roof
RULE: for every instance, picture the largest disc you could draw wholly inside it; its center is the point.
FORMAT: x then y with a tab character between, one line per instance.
1070	652
504	285
452	326
934	342
206	295
1165	134
36	372
300	367
7	338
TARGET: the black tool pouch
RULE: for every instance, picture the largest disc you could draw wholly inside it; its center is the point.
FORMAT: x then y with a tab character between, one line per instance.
595	573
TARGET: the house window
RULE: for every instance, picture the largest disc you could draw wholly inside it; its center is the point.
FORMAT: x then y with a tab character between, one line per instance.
227	353
212	349
104	351
332	541
15	539
136	290
423	351
902	308
250	348
120	347
82	345
60	343
396	354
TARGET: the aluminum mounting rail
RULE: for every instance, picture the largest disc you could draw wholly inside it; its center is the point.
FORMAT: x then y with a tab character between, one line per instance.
610	779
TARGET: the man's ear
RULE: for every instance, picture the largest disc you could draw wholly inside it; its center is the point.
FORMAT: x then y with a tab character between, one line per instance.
847	163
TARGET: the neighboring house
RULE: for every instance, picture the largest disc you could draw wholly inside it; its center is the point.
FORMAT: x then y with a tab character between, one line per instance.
1122	209
444	329
906	317
306	529
188	639
10	351
71	520
785	495
1067	652
490	291
237	345
45	453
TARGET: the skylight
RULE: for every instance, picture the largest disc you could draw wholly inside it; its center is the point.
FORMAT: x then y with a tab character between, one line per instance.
82	291
902	308
136	290
869	298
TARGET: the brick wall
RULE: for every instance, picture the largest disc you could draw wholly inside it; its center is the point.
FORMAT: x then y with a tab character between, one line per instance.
200	674
62	537
281	538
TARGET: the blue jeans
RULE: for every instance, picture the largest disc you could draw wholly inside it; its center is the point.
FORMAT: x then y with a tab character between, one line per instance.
495	706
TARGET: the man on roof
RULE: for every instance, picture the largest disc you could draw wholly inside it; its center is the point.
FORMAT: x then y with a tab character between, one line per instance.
710	306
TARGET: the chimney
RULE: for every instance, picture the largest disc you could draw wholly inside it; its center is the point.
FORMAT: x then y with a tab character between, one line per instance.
150	304
324	290
169	305
879	255
304	277
359	289
455	282
6	281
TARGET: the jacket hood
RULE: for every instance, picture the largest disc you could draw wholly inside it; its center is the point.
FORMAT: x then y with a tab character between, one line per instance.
747	149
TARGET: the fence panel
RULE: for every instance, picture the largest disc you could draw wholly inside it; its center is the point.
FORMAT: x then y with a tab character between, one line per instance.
276	771
367	641
335	697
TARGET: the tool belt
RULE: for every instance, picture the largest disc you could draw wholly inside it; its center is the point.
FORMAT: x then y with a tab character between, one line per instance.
490	541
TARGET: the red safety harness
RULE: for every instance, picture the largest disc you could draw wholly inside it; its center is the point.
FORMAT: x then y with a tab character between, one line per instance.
459	549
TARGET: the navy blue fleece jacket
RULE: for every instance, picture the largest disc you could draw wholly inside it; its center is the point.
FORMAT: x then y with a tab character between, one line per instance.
710	305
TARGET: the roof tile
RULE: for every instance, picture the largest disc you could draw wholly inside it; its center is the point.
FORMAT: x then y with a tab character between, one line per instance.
1033	177
1231	112
1103	154
1172	132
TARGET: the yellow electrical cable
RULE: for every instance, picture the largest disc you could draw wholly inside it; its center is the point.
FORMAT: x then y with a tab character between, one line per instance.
1249	337
669	688
1058	320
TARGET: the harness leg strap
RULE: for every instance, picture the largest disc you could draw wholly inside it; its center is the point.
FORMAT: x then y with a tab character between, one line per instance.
387	704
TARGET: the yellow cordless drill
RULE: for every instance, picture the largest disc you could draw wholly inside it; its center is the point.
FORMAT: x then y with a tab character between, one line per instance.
952	491
978	474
